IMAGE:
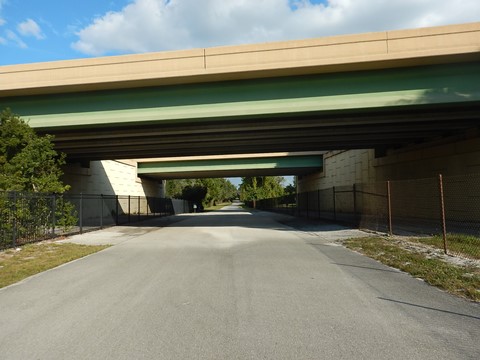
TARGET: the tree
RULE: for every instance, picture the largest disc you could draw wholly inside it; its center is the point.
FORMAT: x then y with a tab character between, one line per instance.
261	187
28	162
218	190
202	191
174	188
194	193
291	189
272	187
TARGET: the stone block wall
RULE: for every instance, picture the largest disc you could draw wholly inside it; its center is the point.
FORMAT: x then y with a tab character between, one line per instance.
110	177
448	156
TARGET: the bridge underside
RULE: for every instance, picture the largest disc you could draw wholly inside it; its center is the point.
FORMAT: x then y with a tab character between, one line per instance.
231	166
372	129
366	109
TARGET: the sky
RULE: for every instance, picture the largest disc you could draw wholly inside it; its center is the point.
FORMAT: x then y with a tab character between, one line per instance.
47	30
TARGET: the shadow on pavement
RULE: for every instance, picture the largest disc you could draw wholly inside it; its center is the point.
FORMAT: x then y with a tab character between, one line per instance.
241	218
429	308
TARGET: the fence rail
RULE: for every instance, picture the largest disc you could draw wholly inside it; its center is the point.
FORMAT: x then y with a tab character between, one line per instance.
447	207
31	217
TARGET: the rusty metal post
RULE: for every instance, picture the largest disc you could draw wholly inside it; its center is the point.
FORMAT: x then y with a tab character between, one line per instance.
442	212
389	205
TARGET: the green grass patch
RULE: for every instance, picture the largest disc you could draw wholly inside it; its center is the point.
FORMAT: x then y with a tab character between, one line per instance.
31	259
217	207
463	281
458	244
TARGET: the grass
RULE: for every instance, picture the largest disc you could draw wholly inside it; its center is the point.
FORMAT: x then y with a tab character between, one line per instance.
31	259
216	207
459	280
459	244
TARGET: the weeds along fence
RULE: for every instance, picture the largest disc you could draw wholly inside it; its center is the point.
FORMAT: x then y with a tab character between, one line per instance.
446	207
31	217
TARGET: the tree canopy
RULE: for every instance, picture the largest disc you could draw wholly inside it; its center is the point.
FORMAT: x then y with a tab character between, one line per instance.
261	187
28	162
205	191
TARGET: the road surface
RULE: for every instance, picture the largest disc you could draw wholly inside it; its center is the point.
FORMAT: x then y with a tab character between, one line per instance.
231	285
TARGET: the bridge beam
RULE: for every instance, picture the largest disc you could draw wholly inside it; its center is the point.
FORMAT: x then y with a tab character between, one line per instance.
231	166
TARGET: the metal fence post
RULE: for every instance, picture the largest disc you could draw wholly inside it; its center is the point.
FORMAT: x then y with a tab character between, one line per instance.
318	204
306	205
54	209
334	205
14	227
389	208
81	213
138	208
442	212
129	209
355	215
116	209
101	211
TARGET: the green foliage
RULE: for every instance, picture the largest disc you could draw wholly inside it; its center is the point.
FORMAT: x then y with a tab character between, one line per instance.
28	162
218	190
290	189
205	191
66	214
257	188
30	171
174	188
195	193
459	244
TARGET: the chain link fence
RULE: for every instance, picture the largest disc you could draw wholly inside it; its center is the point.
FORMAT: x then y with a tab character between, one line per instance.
31	217
447	209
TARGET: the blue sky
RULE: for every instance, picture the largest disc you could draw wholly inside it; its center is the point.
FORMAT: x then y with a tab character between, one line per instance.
58	22
47	30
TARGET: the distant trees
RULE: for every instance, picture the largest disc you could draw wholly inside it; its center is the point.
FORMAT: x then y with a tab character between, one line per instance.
208	192
261	187
291	189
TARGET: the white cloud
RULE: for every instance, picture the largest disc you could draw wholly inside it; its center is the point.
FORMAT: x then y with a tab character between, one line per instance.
3	41
30	28
155	25
16	39
2	21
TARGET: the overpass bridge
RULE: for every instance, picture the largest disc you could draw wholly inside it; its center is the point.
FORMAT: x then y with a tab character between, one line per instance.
266	164
372	90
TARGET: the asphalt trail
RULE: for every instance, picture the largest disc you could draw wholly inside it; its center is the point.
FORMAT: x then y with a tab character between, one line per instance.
231	285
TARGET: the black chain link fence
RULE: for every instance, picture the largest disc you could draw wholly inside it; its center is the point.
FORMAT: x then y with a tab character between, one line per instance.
447	209
31	217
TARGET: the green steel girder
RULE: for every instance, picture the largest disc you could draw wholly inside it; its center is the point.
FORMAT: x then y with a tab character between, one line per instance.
286	165
362	109
259	98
